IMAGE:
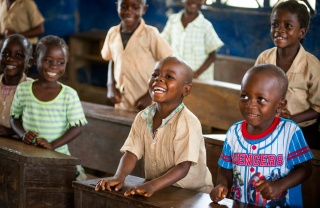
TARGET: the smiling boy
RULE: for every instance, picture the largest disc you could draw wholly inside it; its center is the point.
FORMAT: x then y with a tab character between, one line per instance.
167	135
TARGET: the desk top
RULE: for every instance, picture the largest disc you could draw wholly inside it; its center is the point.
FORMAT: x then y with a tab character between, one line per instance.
16	149
108	113
169	197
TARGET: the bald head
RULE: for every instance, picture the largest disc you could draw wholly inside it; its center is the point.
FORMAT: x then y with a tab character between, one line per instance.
271	72
187	69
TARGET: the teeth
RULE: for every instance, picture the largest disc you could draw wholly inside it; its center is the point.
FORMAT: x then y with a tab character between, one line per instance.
51	73
10	67
159	89
279	38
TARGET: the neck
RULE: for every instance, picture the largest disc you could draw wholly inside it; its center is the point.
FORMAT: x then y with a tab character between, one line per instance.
9	80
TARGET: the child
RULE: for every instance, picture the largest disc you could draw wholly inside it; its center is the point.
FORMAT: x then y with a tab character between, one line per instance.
45	112
289	25
167	135
134	48
265	158
21	16
193	38
16	52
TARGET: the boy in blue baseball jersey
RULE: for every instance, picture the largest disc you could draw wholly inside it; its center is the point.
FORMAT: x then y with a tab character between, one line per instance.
265	158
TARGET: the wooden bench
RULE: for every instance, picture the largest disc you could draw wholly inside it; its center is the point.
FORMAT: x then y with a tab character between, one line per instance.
215	103
231	68
86	196
310	192
32	177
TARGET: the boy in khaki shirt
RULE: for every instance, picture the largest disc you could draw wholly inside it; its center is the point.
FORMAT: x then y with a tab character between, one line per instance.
167	135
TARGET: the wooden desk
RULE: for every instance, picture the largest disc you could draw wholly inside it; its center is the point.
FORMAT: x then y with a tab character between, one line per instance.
99	145
31	177
86	196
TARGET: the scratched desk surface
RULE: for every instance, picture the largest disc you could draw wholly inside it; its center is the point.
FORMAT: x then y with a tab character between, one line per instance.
172	197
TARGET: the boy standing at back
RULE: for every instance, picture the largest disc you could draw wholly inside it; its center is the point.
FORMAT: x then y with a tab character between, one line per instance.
193	38
265	158
167	135
133	49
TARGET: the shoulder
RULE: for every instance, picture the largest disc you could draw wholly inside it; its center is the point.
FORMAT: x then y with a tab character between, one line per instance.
189	117
69	90
267	53
150	29
176	17
28	3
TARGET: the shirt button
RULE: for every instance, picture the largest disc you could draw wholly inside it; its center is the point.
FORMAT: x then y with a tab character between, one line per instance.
154	163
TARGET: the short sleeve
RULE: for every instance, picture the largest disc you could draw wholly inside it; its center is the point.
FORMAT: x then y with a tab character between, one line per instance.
134	142
212	40
34	14
225	159
16	108
299	151
75	114
106	52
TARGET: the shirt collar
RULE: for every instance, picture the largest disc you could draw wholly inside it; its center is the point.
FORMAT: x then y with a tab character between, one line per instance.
149	112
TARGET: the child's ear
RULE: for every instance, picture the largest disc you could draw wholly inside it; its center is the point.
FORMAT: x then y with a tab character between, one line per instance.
303	32
30	62
145	8
281	105
186	89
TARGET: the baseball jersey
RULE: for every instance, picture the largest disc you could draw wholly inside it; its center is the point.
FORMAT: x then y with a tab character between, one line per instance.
270	155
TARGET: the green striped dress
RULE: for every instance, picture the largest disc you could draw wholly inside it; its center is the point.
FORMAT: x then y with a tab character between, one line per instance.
49	119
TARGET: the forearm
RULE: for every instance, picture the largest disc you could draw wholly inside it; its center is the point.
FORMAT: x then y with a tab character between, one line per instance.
67	137
210	59
126	165
305	116
111	81
225	177
175	174
16	125
34	32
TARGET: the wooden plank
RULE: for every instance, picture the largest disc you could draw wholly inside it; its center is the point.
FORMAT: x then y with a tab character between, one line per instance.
86	196
33	177
215	103
231	68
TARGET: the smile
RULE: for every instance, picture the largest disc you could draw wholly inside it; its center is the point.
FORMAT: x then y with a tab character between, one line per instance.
159	90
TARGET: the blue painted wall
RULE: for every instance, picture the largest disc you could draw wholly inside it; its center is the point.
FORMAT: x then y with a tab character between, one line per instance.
245	34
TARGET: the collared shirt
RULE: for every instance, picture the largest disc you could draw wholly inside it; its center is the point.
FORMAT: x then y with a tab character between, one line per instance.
150	111
193	43
177	140
20	17
134	65
304	81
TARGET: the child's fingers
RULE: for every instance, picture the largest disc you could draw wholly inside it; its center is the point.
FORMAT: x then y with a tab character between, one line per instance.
100	184
129	192
260	182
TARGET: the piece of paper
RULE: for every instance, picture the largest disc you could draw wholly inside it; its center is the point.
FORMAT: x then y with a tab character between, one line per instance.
226	202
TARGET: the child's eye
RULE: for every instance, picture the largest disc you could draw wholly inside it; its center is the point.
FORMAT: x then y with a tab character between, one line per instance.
243	97
60	63
289	26
262	100
169	77
19	56
154	75
274	24
5	54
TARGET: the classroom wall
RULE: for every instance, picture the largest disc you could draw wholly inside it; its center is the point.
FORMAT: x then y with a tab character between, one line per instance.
245	33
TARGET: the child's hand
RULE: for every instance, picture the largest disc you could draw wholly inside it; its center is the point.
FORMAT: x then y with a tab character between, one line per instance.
285	113
268	189
218	193
108	184
41	142
143	190
114	95
29	137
